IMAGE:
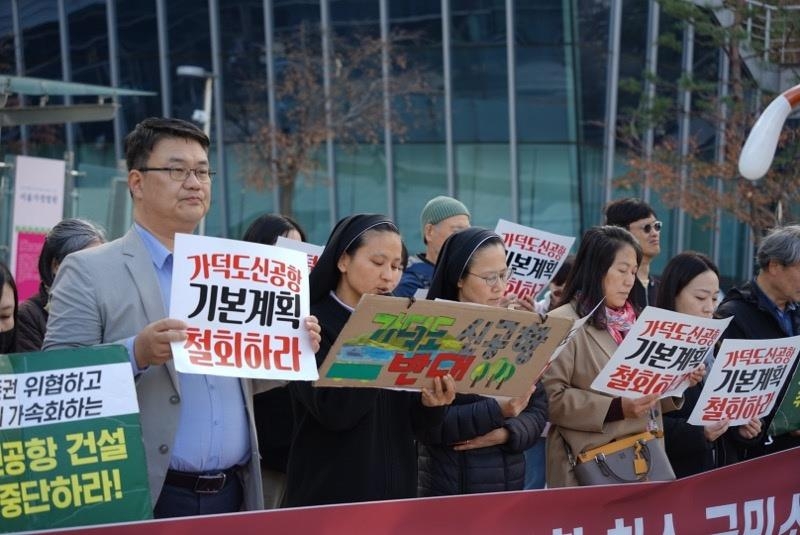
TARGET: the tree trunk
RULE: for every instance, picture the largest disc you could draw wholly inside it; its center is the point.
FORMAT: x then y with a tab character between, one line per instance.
286	197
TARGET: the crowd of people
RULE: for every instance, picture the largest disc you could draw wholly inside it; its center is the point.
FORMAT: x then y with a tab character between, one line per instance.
218	444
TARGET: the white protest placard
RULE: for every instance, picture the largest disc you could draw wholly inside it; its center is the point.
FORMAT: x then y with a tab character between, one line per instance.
311	250
98	391
745	380
658	354
245	304
533	255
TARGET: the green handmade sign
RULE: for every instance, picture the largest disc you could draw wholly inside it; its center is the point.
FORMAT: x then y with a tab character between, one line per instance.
787	417
71	450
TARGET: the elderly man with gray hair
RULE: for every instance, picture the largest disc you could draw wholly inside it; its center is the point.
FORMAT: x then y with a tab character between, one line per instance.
767	307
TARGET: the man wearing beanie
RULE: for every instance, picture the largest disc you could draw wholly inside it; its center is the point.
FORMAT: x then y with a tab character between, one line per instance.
441	217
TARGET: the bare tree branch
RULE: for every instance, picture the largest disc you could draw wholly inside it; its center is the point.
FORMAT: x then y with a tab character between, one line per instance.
356	104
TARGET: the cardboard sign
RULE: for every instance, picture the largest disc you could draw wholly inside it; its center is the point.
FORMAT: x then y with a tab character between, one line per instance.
71	450
245	304
658	354
312	251
391	342
745	380
533	255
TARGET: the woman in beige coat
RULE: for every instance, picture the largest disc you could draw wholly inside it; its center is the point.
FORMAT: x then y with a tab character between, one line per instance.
605	269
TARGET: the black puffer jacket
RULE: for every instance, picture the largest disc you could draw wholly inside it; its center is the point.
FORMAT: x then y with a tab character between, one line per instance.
753	321
444	471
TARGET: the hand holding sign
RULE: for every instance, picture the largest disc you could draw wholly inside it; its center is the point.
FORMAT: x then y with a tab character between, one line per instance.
512	407
751	429
638	407
697	375
713	431
444	392
153	345
314	330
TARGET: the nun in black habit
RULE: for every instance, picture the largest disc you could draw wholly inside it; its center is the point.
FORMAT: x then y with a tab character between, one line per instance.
480	444
356	444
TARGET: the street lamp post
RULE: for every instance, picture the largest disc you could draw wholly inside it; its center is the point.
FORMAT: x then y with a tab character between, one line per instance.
201	116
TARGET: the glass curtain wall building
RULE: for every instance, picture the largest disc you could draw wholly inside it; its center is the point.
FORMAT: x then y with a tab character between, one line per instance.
516	124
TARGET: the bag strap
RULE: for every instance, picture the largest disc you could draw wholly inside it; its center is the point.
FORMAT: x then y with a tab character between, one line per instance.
640	448
615	445
570	457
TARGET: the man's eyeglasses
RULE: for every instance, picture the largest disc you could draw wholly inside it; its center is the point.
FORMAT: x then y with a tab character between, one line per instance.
179	174
494	278
650	226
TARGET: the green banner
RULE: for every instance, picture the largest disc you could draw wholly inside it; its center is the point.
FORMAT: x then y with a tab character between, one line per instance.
787	417
71	451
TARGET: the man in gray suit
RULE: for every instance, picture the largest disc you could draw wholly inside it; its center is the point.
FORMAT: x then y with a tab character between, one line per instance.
198	430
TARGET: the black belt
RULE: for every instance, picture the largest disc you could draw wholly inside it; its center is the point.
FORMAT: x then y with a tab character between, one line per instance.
200	483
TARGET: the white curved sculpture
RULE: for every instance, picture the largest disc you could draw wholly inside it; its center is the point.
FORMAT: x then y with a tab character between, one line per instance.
759	148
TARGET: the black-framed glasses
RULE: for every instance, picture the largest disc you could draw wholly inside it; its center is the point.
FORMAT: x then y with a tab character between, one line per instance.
179	174
650	226
494	278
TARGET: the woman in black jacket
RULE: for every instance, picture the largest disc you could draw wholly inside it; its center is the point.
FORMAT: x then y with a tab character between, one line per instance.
690	285
480	445
356	444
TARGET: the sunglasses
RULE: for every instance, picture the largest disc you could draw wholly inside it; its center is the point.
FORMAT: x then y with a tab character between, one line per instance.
650	226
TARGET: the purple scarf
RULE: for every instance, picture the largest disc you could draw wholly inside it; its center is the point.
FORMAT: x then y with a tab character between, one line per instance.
618	322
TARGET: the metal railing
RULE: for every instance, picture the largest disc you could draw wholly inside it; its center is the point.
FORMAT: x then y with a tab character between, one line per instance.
773	31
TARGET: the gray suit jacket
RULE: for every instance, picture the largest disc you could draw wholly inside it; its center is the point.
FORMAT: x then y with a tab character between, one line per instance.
107	294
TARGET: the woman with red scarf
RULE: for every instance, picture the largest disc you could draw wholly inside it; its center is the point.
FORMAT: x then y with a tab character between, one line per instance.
581	419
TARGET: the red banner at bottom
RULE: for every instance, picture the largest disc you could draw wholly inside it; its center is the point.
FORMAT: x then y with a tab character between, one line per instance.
756	497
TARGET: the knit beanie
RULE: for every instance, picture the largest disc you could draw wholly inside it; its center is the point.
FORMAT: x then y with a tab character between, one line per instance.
440	208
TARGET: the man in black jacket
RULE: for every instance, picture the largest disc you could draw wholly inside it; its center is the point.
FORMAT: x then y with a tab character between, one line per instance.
640	219
767	307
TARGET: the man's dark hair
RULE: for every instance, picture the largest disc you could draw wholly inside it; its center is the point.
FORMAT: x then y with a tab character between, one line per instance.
140	142
623	212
